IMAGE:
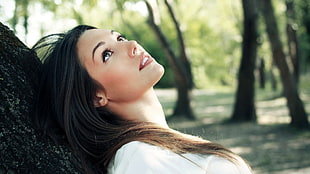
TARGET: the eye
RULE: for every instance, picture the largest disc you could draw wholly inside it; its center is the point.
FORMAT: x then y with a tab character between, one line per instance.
106	55
121	38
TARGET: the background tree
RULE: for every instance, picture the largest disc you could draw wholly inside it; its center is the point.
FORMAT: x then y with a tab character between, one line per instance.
23	149
21	11
182	79
297	112
303	16
244	108
261	73
182	48
292	39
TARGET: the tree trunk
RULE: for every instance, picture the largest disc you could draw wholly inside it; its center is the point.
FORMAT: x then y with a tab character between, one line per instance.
183	106
297	112
261	72
182	49
22	148
293	46
274	83
305	19
244	109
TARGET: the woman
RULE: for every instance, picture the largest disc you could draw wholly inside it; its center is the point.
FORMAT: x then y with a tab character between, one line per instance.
97	90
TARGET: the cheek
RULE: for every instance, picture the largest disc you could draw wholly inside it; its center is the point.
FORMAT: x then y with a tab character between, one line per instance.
119	84
116	76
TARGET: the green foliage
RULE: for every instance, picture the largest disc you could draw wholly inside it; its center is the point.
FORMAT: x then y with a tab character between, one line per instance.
212	31
213	40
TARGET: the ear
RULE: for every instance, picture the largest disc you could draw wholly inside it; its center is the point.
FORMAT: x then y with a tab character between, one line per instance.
100	99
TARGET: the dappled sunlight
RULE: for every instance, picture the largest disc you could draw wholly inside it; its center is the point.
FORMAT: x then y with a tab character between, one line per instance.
211	120
272	103
213	109
268	148
199	92
274	118
270	145
272	111
212	114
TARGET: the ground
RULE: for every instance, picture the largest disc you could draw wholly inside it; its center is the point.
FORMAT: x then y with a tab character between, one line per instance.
270	145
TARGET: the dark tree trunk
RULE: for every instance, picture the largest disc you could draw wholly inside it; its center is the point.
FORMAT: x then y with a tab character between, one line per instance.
182	49
292	40
297	112
22	149
183	105
274	83
244	109
305	18
261	72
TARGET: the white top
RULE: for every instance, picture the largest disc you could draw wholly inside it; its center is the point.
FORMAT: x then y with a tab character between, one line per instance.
142	158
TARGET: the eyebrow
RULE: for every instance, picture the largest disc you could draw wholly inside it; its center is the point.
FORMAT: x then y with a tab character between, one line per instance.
95	48
100	43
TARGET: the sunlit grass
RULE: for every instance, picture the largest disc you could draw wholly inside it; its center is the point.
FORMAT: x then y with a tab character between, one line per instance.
216	104
270	145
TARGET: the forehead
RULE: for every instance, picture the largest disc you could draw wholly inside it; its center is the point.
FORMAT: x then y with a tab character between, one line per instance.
89	39
95	34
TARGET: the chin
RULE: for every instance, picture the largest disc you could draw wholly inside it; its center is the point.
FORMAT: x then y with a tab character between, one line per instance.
162	70
160	73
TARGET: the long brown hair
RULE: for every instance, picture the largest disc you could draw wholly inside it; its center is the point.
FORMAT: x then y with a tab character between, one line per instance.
65	107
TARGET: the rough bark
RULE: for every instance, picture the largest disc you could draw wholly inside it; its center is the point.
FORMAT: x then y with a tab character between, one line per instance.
22	148
244	108
183	104
297	112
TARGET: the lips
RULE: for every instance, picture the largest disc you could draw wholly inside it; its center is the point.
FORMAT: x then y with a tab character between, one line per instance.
144	61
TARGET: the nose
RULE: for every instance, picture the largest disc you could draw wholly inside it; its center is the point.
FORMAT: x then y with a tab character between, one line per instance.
133	48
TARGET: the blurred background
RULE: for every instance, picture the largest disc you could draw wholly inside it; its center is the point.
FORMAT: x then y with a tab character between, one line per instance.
237	72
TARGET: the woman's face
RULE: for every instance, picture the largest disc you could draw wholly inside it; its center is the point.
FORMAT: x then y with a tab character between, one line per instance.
123	68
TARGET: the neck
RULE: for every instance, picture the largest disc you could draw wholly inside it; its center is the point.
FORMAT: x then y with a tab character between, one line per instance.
147	109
